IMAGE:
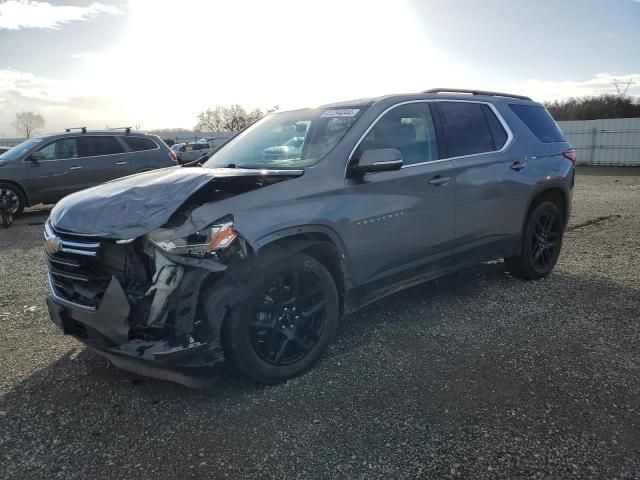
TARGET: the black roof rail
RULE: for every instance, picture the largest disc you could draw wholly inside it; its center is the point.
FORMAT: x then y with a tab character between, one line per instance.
476	92
82	129
126	129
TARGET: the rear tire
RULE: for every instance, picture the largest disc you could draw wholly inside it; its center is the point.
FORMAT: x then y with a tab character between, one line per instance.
16	196
541	243
286	324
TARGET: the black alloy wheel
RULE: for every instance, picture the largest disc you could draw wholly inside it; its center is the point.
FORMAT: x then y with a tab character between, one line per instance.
289	319
541	243
285	326
545	241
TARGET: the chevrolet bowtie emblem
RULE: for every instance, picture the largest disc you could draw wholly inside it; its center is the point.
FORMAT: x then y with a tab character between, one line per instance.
52	244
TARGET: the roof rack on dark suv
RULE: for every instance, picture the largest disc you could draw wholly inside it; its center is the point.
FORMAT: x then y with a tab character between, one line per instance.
476	92
127	130
82	129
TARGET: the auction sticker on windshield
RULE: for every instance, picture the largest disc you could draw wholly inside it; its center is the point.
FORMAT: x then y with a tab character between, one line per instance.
343	112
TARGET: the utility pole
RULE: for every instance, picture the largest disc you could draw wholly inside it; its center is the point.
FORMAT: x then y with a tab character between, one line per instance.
622	85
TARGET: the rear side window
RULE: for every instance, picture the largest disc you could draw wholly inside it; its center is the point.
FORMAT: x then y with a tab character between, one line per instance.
138	144
465	128
540	122
94	146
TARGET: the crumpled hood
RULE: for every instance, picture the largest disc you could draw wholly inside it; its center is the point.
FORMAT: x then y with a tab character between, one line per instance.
133	206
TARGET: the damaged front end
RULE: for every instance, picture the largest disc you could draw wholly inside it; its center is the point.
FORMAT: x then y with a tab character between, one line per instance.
140	301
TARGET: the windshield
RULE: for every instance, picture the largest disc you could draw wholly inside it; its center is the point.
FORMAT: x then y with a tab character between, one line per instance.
19	150
287	140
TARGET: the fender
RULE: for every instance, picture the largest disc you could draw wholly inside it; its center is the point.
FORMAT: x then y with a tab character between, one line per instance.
297	244
553	182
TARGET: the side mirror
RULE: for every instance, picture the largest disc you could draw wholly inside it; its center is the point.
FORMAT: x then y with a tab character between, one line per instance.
378	160
36	156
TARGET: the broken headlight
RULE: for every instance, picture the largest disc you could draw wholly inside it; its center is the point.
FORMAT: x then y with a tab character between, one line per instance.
217	236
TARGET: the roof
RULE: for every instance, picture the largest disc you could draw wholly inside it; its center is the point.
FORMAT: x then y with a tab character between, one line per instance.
439	93
80	131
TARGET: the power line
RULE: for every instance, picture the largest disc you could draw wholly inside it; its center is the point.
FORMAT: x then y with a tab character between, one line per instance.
622	85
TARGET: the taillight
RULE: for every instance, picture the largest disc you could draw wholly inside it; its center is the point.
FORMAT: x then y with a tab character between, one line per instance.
173	156
570	155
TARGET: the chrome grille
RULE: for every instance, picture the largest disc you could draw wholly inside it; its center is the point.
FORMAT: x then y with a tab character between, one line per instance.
72	263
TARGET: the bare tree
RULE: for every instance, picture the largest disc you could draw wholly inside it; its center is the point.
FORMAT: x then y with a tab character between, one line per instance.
28	123
228	119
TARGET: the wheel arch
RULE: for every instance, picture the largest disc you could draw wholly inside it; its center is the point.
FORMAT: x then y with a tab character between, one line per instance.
554	192
316	241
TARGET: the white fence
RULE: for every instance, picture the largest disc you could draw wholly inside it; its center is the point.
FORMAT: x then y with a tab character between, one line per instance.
614	142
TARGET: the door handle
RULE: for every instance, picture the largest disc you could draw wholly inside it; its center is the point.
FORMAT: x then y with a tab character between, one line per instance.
519	164
438	180
121	163
75	168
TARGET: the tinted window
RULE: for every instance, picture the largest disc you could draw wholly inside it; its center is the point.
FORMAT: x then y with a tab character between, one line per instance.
465	128
408	128
138	144
64	148
93	146
539	122
497	130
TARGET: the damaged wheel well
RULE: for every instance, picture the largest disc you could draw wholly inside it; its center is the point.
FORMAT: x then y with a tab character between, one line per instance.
233	289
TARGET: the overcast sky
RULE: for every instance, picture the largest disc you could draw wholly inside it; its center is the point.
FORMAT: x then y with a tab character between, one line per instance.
158	63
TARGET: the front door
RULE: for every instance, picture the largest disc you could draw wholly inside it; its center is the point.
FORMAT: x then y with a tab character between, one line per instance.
55	173
402	220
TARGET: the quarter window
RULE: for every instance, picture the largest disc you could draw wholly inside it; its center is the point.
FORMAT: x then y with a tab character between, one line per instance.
466	128
408	128
497	130
540	122
138	144
94	146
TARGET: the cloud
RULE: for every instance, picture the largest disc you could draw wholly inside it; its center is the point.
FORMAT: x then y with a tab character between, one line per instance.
17	14
61	103
597	85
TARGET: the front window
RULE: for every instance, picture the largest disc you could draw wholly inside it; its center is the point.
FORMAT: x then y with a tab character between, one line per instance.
287	140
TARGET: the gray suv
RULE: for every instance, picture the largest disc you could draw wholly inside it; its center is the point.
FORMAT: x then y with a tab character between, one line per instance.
45	169
255	258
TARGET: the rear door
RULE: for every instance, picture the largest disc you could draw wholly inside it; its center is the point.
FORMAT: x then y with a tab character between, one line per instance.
477	142
145	154
100	158
402	220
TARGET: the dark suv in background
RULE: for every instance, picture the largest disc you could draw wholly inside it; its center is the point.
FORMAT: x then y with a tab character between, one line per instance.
45	169
254	257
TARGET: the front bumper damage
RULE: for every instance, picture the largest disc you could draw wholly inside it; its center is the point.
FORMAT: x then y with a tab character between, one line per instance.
170	332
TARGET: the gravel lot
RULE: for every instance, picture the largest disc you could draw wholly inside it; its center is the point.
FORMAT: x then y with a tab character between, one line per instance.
476	375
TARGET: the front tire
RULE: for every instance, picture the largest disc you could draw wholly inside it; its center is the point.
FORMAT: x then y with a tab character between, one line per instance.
15	196
541	243
286	324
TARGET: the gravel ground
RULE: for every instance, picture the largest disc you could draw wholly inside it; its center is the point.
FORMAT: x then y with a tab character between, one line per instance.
476	375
